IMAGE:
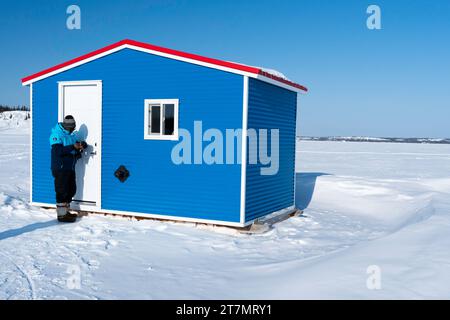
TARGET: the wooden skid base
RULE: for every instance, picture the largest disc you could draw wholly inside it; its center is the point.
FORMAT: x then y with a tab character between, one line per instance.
263	225
257	227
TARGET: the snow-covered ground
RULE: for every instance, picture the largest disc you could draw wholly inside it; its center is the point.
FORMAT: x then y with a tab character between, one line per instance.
17	120
366	204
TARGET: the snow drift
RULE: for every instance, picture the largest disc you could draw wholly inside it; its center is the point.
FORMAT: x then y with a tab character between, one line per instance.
17	120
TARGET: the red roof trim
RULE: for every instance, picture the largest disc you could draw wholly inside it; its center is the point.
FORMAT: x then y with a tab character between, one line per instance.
231	65
68	63
282	80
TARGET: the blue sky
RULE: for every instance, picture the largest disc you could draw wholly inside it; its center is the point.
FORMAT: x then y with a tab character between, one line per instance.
389	82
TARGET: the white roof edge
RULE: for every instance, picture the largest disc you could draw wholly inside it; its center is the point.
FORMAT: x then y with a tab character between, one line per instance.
166	55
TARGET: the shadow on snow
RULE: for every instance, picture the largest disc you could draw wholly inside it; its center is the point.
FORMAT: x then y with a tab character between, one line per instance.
306	183
26	229
304	191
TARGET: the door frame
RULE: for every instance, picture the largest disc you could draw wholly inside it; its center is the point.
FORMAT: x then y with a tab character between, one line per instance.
98	83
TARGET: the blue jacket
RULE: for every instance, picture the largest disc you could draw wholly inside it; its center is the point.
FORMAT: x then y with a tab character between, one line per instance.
64	155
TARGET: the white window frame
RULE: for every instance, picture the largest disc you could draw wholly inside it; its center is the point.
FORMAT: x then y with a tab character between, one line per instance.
160	136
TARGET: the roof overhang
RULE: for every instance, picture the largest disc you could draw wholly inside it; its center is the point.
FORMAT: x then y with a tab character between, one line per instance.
227	66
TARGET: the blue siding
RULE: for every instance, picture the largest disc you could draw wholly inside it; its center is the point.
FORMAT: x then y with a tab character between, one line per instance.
44	116
271	107
156	185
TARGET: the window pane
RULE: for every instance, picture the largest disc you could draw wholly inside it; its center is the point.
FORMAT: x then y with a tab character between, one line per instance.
169	119
149	122
155	124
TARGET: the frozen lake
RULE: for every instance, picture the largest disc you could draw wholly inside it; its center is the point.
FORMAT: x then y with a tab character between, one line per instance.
366	204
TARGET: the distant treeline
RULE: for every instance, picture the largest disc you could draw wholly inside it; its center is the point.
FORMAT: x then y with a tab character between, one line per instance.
13	108
374	139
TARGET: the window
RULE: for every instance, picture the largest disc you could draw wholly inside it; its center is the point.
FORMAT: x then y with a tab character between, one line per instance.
161	119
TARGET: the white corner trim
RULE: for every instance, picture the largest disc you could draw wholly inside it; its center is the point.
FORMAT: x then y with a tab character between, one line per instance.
295	149
100	143
31	142
244	148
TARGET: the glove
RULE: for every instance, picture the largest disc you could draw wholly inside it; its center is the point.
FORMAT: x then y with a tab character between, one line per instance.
78	146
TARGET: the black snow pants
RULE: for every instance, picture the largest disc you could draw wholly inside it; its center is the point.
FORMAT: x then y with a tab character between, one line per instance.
65	185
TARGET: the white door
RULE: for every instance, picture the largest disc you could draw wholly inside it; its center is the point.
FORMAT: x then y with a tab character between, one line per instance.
82	100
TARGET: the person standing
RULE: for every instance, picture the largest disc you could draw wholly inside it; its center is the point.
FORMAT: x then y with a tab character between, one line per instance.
65	151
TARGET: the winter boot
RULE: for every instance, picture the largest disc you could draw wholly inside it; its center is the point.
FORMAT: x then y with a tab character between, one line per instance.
63	213
71	214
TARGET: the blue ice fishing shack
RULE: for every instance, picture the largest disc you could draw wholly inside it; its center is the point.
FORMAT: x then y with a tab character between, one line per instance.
171	135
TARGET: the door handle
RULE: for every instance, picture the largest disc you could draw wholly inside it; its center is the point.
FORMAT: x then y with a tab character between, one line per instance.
94	153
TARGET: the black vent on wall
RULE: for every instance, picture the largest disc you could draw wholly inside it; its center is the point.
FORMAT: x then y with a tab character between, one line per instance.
122	173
